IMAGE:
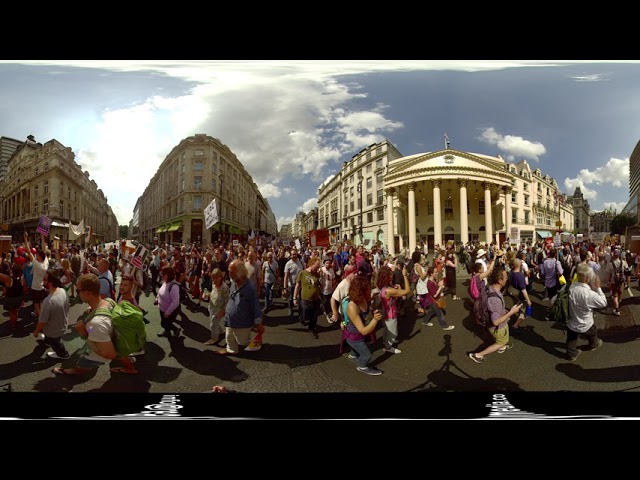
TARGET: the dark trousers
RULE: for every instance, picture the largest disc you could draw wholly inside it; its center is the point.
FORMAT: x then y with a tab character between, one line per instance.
310	312
572	340
167	323
57	345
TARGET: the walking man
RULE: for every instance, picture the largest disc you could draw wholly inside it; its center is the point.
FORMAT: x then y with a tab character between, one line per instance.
583	299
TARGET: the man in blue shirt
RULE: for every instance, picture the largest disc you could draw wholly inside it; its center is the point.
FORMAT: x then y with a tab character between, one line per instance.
242	312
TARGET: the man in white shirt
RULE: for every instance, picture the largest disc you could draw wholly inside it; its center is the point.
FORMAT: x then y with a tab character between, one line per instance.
40	264
583	299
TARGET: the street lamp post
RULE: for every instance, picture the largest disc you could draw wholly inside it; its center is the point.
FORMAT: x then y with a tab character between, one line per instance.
360	200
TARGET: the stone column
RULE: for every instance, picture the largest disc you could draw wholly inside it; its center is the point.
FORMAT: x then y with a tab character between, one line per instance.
507	209
412	217
437	213
390	242
487	212
464	220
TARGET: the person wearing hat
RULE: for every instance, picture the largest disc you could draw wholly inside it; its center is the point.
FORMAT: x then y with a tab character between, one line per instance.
481	257
616	268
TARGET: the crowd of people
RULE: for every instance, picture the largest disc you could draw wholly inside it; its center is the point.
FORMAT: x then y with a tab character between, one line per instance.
238	284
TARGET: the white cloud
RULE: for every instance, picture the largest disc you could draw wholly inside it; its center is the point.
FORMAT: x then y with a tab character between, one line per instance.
513	146
617	206
597	77
308	205
269	190
284	221
615	172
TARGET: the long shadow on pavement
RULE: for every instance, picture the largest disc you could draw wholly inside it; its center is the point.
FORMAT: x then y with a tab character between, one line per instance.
628	373
33	362
445	380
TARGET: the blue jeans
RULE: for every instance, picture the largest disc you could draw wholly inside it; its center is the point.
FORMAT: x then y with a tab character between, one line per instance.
361	350
433	311
268	294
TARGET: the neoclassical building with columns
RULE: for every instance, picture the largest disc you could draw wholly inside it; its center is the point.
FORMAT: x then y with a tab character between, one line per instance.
453	195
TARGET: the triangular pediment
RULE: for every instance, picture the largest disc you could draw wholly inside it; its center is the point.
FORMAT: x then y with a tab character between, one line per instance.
448	163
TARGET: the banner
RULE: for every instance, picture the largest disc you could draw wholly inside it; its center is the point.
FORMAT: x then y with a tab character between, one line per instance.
44	225
211	215
319	238
514	236
76	231
140	257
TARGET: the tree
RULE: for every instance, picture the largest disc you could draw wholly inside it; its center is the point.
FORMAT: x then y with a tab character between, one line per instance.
619	223
123	231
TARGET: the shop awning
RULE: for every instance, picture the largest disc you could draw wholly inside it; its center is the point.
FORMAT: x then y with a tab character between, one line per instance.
59	224
544	233
162	229
174	226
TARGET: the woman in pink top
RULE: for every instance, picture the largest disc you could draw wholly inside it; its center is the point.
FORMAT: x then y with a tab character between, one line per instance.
388	293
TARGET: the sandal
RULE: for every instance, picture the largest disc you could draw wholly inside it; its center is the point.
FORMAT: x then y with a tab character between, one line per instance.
123	370
68	371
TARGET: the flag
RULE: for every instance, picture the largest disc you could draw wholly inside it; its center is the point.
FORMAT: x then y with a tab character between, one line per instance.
76	231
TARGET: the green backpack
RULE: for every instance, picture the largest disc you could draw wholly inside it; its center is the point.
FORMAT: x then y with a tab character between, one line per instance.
129	331
559	311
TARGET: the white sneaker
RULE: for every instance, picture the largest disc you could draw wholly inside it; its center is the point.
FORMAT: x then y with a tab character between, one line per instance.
139	352
392	350
55	355
450	327
40	336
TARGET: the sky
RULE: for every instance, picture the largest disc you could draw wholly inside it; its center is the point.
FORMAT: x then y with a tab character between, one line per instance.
292	123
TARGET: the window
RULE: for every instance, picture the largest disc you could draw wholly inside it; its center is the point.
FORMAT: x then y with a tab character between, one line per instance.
61	189
346	210
369	199
379	179
75	213
514	197
213	184
514	215
378	150
380	197
45	205
182	167
35	208
480	207
214	168
448	209
526	217
369	182
540	218
526	200
37	171
182	185
197	202
429	207
61	208
351	190
370	217
69	192
548	221
378	163
46	187
351	207
197	183
352	179
369	168
36	192
380	214
46	166
334	218
198	166
525	186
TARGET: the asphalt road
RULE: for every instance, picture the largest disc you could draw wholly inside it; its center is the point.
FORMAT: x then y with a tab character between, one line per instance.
291	360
